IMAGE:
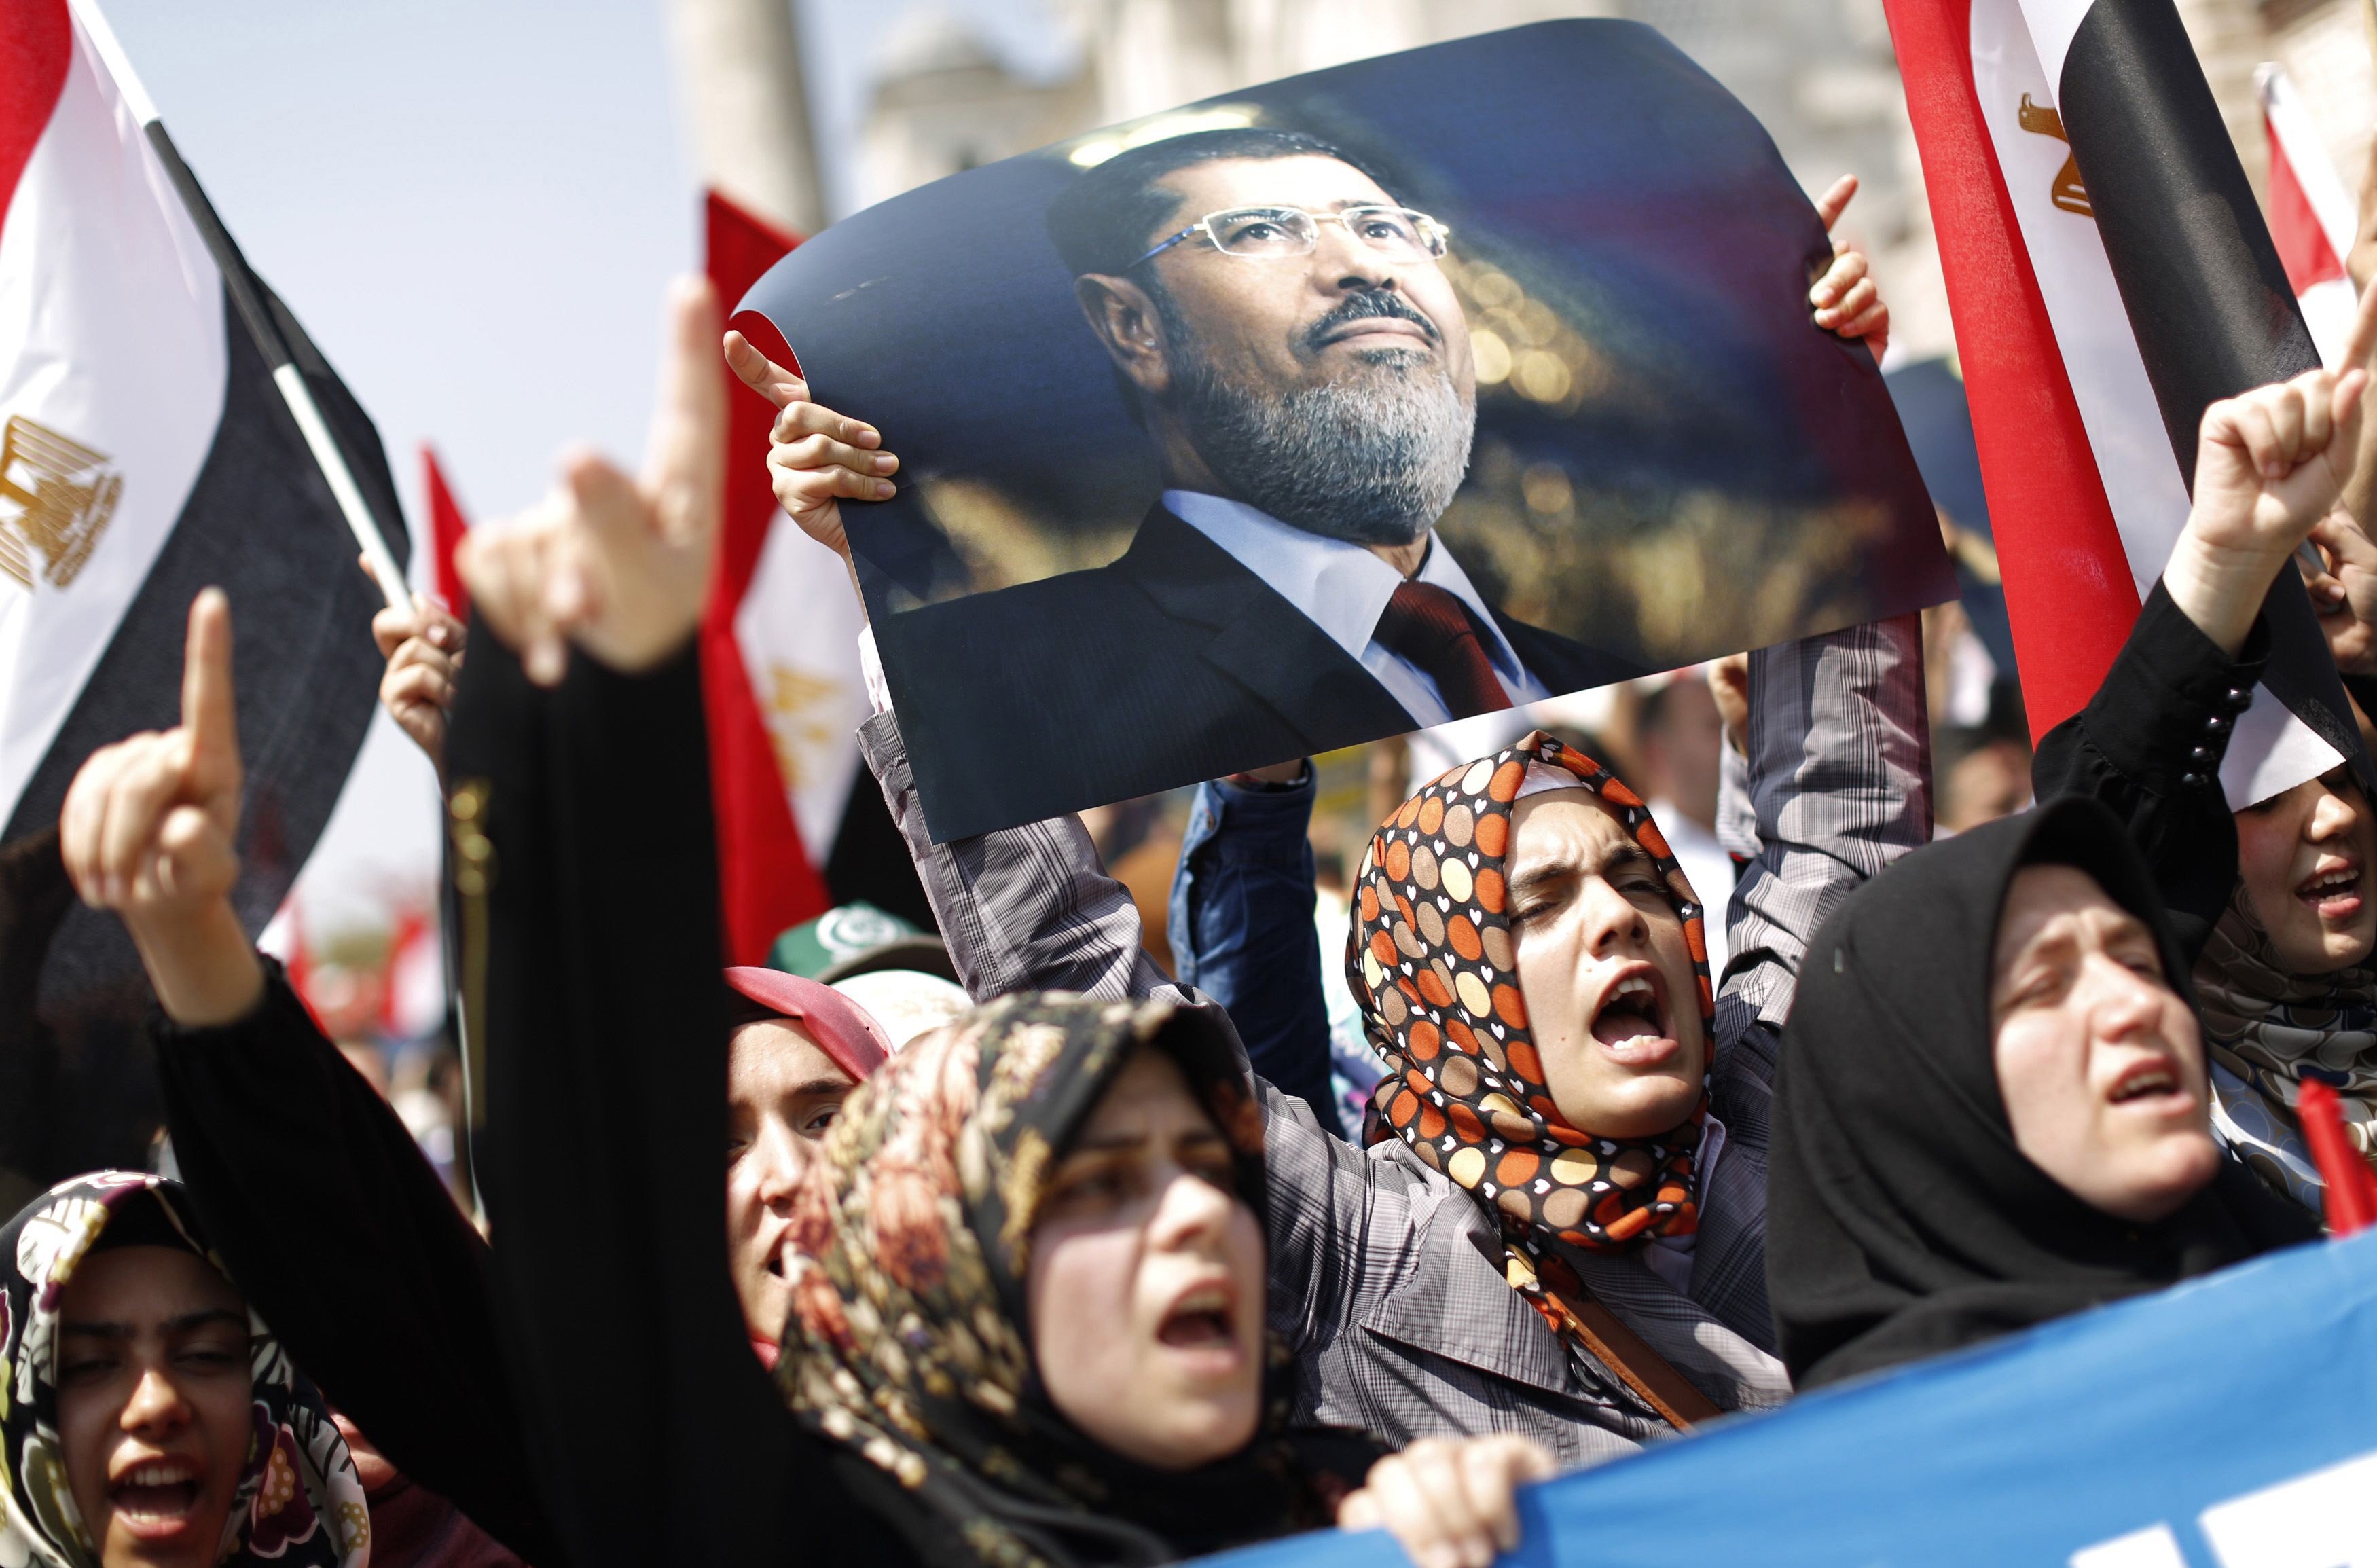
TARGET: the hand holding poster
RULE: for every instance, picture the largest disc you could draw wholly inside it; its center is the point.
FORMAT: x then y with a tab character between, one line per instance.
1342	406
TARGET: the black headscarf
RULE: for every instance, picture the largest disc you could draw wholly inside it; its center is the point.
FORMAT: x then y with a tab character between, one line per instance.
1902	1220
908	1342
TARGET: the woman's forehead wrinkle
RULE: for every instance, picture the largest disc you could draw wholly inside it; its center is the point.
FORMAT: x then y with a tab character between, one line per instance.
1547	842
2050	939
2058	937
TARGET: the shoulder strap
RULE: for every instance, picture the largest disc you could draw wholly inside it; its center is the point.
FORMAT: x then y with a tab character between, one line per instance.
1651	1375
1553	1288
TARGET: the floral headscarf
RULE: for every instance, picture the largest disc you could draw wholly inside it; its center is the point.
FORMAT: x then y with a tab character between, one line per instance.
1433	964
299	1503
2266	1026
909	1340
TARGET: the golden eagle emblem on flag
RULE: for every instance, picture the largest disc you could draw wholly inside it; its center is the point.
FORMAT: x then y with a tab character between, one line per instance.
62	497
802	720
2068	193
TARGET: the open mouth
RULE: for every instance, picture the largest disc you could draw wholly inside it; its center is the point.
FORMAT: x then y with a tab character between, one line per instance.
1633	1020
157	1497
2332	893
2150	1082
769	1241
1201	1320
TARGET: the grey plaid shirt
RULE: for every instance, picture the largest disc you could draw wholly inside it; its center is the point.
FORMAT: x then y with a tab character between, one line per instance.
1386	1279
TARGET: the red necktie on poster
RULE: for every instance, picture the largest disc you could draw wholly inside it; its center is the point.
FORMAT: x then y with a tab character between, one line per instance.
1433	630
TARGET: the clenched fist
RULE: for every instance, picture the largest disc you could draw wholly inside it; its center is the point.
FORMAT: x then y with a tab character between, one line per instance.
2270	465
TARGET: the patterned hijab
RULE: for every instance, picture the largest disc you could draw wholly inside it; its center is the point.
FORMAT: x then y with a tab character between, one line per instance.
299	1503
2264	1026
1433	964
908	1338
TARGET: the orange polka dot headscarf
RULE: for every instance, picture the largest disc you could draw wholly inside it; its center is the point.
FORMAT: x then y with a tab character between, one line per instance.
1433	964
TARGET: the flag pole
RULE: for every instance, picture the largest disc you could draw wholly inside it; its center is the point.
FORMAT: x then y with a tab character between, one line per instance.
249	301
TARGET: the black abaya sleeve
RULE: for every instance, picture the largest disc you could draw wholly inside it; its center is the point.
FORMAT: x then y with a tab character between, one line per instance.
2149	747
342	1237
656	1434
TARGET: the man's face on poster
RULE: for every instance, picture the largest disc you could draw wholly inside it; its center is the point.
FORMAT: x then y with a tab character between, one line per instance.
1332	389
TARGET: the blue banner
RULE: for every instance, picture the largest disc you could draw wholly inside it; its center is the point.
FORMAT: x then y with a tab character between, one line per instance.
2230	1423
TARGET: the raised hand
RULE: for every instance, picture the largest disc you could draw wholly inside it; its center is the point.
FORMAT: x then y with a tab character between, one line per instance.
1848	301
2269	464
1449	1503
817	459
423	650
2345	594
149	829
617	564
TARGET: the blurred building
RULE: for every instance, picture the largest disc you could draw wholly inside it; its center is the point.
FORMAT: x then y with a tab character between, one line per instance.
944	102
1819	74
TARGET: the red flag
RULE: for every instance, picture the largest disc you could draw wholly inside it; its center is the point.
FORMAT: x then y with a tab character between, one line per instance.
2302	245
446	526
412	988
765	876
2351	1196
2312	219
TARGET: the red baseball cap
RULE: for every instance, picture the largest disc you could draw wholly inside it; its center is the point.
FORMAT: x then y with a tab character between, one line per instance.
842	1026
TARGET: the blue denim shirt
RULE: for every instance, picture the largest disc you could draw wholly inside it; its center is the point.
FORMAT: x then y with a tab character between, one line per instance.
1242	931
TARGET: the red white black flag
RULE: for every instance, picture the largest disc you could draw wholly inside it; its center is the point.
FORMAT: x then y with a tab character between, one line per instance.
2312	219
2110	276
167	426
781	709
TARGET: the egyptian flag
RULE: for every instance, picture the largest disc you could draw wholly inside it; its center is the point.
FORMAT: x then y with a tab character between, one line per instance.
778	708
167	424
2110	276
2312	219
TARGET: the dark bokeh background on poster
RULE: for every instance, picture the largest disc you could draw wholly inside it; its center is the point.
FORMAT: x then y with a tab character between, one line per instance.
1930	396
1672	461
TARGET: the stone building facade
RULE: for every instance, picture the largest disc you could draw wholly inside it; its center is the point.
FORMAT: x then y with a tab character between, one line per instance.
1819	74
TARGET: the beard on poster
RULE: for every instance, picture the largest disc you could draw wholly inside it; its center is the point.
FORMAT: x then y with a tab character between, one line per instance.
1342	406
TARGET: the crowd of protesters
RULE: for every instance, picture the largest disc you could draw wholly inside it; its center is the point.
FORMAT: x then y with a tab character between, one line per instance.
1592	1112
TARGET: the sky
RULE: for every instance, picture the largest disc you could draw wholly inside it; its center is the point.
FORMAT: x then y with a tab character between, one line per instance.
474	207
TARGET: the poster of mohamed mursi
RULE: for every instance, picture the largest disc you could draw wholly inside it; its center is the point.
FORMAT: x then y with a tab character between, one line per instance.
1339	407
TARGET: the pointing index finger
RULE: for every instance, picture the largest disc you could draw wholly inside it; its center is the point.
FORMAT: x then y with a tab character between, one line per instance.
209	710
2361	349
685	457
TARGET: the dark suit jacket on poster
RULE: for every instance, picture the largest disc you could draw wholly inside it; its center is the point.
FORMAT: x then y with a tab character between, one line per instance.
1172	665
